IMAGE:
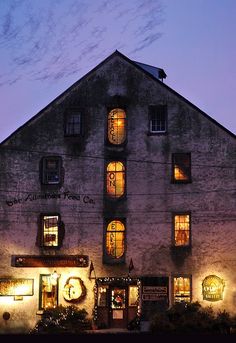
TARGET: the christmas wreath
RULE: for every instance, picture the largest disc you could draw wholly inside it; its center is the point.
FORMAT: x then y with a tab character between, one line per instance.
118	299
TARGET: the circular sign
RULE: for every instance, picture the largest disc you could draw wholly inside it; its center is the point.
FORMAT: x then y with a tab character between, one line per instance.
74	290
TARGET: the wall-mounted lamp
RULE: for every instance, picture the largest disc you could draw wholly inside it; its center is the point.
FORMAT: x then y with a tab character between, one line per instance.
54	277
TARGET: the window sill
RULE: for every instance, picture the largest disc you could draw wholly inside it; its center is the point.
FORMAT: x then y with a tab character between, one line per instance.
164	133
39	312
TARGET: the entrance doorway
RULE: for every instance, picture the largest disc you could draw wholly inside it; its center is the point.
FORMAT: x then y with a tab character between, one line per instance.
118	307
117	301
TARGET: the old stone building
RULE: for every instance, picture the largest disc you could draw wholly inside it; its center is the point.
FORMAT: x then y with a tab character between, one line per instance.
118	197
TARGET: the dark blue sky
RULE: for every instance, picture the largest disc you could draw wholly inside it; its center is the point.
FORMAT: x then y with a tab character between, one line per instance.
47	45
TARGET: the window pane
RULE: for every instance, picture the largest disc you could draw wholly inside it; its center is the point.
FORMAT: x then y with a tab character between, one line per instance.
182	290
117	126
48	289
115	179
50	231
115	239
182	229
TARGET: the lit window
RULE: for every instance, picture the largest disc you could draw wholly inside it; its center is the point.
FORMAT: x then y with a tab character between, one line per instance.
158	118
115	236
102	295
116	126
115	179
133	295
51	170
48	292
73	124
181	167
50	230
182	289
181	229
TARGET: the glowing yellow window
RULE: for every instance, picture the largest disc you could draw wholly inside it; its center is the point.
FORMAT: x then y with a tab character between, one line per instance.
115	235
48	291
182	229
181	167
115	179
182	289
116	126
50	231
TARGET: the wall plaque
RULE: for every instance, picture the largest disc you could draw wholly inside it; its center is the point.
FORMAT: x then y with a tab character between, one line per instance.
16	287
212	288
50	261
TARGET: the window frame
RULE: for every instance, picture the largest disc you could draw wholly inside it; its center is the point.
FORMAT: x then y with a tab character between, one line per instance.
182	213
164	111
107	195
174	276
188	171
45	170
68	114
108	259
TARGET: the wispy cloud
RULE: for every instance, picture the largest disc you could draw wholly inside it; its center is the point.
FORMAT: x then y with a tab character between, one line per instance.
50	40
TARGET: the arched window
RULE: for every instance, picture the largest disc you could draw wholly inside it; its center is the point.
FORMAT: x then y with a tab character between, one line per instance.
116	126
115	237
115	179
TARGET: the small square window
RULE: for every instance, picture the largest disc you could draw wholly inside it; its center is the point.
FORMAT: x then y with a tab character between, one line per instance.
73	124
181	168
158	119
51	170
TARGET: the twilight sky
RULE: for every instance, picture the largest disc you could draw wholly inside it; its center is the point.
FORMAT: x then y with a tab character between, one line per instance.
47	45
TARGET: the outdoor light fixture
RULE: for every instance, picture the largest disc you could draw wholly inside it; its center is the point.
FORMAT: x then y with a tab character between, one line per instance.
54	277
212	288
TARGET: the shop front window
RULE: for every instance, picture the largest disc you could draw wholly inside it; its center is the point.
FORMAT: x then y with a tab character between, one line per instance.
182	289
48	291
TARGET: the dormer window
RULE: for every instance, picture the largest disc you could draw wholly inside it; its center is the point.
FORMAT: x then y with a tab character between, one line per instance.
116	126
158	119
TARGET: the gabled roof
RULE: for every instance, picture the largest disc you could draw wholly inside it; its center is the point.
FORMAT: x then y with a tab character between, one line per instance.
136	65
